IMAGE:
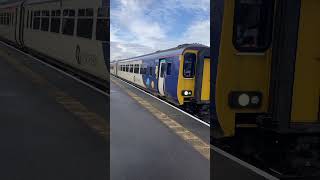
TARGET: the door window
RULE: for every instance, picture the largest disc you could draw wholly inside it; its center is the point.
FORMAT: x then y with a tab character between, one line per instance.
163	70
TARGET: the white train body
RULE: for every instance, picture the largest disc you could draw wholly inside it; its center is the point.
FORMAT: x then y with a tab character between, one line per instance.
72	32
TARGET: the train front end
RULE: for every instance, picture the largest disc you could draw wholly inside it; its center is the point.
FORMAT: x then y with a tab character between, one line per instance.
194	76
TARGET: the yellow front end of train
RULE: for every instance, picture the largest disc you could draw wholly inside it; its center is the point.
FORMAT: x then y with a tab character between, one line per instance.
268	67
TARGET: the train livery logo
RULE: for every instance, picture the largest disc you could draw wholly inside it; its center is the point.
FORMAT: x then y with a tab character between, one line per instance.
85	58
148	82
78	54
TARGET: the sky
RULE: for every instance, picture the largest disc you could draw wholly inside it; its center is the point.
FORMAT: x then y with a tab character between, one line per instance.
144	26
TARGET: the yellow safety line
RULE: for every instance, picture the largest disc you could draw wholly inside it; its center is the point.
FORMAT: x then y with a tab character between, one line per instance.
202	147
93	120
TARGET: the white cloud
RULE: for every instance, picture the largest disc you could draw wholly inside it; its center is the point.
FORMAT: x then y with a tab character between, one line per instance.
198	32
141	26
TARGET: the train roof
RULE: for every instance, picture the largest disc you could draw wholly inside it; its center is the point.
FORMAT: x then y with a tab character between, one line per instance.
176	50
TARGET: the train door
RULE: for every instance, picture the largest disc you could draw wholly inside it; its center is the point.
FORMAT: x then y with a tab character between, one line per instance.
162	74
296	60
306	87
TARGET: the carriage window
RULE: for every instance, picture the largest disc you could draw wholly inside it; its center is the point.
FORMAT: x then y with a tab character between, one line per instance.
85	23
136	68
36	20
127	68
55	21
68	22
169	69
102	30
253	25
45	21
189	65
131	68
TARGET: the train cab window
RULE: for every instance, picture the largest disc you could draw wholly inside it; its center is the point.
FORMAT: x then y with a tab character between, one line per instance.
55	21
45	21
36	20
253	25
169	68
189	65
68	22
85	23
136	68
102	30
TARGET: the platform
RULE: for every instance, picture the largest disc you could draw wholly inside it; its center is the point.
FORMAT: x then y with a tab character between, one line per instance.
52	127
144	146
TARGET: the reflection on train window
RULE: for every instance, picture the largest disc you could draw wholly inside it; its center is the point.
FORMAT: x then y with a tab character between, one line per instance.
85	23
169	69
55	21
68	22
36	20
136	68
189	65
45	21
253	25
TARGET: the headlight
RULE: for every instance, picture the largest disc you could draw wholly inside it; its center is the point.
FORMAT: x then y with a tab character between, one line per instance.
250	99
186	93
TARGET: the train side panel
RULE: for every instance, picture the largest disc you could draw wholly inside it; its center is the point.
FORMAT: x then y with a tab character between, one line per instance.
64	41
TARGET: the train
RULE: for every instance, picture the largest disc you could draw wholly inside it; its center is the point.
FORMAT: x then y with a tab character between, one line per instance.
73	34
265	81
180	75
